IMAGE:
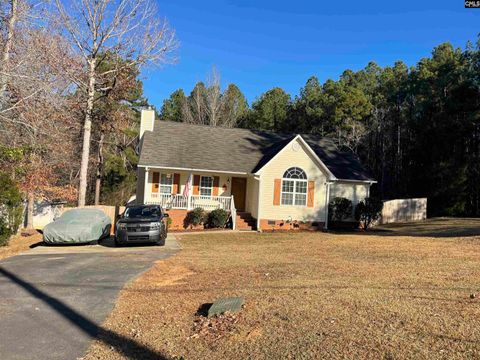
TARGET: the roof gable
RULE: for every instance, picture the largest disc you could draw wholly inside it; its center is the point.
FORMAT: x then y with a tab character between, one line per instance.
308	150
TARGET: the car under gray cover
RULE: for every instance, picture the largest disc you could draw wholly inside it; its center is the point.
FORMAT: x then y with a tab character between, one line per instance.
78	226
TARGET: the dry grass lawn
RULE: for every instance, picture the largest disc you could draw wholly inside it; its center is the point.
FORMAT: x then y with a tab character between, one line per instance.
308	296
19	243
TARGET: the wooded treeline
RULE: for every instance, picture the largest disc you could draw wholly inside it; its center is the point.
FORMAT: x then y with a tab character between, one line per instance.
417	129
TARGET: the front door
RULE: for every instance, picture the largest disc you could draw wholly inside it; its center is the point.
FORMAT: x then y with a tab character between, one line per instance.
239	190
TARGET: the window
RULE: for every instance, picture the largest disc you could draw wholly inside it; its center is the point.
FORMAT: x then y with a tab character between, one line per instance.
206	185
294	187
166	183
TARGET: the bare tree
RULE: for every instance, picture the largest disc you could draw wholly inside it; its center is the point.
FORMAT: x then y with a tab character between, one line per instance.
35	119
209	106
214	98
127	29
195	109
12	16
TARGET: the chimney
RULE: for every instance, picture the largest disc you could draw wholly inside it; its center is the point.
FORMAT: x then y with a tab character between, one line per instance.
147	119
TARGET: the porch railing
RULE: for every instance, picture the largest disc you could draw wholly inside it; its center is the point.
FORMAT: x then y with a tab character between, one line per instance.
169	201
210	202
178	201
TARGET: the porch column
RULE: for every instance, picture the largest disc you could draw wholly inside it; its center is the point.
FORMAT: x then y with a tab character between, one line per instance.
189	196
145	187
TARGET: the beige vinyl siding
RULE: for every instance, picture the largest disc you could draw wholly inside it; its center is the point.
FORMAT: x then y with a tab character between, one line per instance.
251	204
292	155
147	121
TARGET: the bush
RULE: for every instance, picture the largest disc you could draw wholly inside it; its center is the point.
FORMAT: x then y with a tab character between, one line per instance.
340	209
5	233
169	222
368	211
11	208
217	218
195	217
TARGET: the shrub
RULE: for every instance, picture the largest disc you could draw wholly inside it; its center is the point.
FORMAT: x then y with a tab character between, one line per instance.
11	208
195	217
368	211
340	209
217	218
5	233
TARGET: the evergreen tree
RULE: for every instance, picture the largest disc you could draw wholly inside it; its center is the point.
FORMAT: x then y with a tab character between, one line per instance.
270	111
173	107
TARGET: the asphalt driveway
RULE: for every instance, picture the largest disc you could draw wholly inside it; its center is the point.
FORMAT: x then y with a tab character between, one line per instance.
53	300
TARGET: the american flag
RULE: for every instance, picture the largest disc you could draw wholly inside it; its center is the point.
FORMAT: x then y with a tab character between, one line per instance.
188	185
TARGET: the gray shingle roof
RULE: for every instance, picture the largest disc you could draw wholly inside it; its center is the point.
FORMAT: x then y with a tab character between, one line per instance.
180	145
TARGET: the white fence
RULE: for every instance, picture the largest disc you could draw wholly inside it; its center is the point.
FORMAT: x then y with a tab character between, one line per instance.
404	210
44	213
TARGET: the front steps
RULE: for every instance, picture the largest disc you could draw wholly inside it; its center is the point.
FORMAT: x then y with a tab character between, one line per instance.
246	222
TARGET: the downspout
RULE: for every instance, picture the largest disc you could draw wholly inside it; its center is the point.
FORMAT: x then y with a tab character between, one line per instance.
327	200
145	186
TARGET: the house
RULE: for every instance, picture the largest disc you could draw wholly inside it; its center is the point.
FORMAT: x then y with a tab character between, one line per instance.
266	180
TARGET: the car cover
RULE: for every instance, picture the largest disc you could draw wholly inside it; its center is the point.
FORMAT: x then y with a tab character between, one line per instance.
78	226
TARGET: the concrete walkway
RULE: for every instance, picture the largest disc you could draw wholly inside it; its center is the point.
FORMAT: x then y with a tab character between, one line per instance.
53	300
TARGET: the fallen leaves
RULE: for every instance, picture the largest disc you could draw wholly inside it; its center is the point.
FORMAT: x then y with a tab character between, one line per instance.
214	328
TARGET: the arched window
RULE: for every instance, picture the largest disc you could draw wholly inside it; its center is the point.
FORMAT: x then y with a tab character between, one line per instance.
294	187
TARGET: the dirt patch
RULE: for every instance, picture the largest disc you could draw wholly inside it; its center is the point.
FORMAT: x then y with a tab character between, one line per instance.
309	296
172	274
20	243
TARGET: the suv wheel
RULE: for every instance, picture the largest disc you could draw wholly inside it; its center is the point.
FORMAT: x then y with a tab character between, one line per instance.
117	243
163	236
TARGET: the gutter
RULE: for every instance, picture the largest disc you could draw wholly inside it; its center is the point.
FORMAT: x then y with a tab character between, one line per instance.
193	169
370	182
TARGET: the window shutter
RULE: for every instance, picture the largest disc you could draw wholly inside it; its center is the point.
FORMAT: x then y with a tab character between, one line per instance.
176	184
276	191
155	181
216	183
311	194
196	184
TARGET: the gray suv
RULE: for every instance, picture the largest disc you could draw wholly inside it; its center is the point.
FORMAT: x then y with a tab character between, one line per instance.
141	224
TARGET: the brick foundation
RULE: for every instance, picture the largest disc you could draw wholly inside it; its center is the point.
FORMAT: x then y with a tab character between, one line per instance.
282	225
178	221
178	217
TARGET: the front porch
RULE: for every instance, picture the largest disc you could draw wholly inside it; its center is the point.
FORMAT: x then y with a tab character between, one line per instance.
179	191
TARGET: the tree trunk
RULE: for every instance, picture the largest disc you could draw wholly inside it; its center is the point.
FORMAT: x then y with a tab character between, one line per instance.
30	201
8	46
87	130
98	180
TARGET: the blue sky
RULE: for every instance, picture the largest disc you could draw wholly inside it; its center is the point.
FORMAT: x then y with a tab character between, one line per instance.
261	44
